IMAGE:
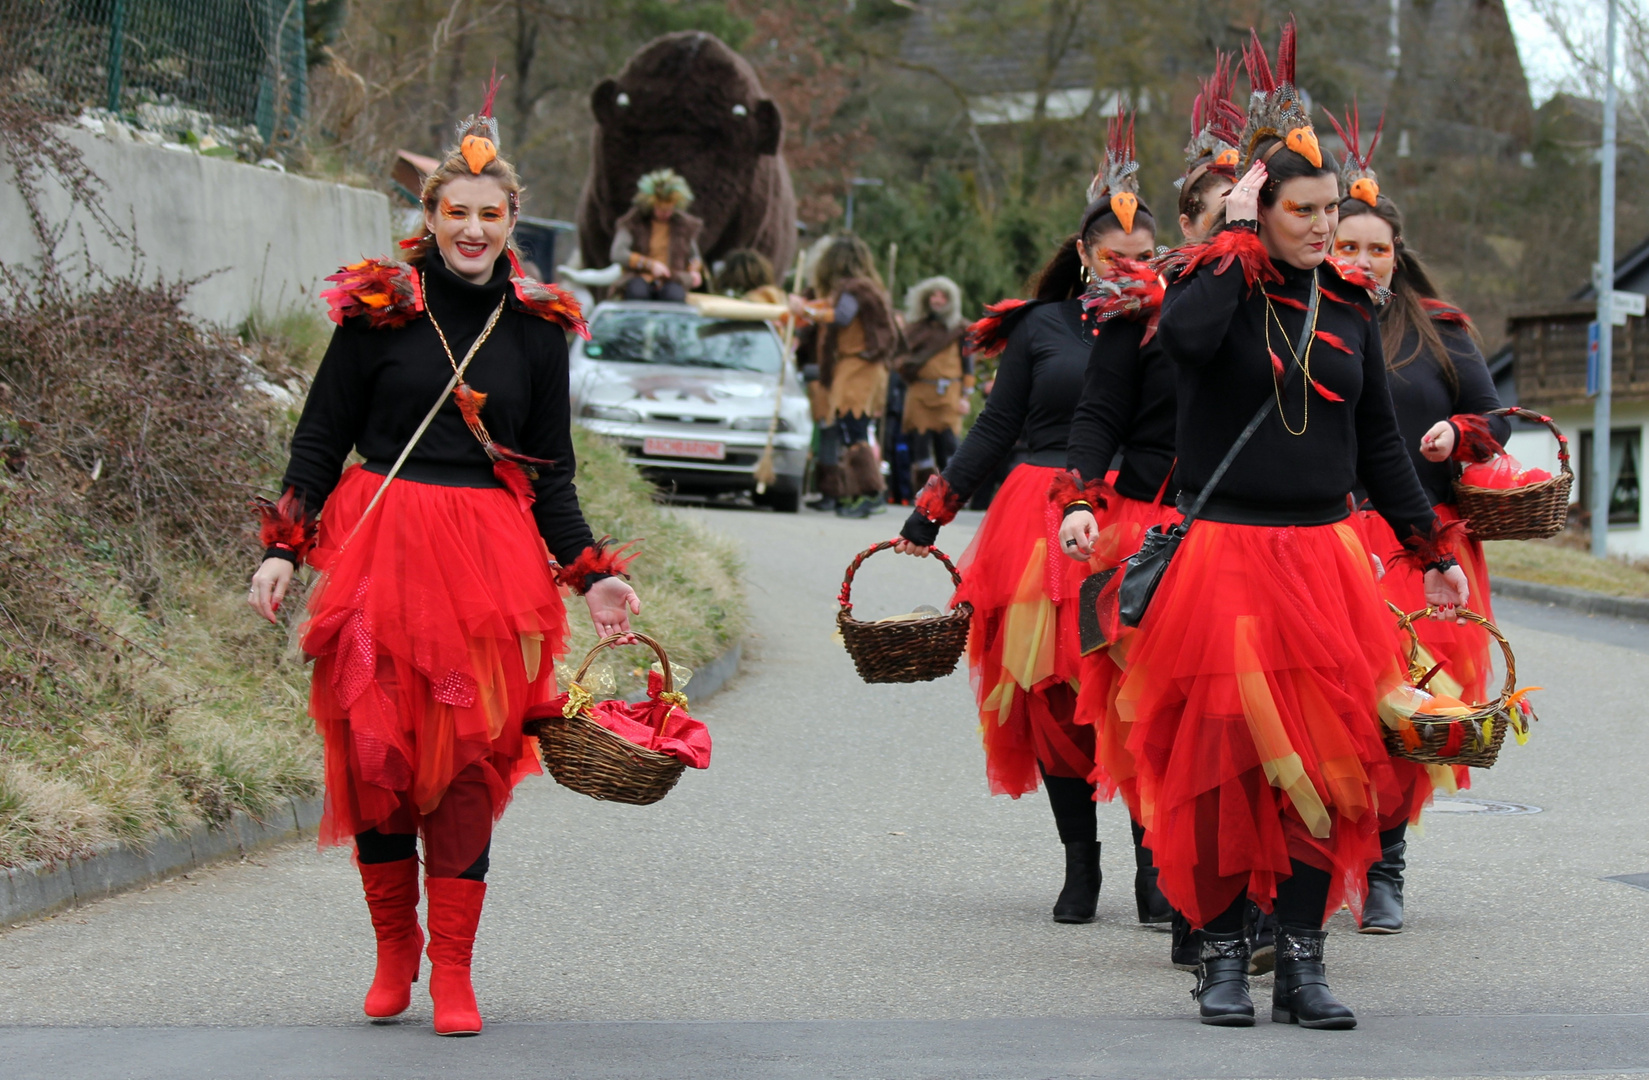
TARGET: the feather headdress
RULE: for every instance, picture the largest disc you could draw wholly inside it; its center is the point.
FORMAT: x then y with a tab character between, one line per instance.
478	132
1216	125
1275	108
1118	181
663	186
1356	175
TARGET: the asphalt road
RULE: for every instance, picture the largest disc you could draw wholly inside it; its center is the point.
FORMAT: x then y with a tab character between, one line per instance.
839	896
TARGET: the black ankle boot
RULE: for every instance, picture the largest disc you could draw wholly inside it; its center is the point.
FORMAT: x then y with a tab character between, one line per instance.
1080	897
1222	981
1383	910
1185	946
1262	940
1153	907
1301	994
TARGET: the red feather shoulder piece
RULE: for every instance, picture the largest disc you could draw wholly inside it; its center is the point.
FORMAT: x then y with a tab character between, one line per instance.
1444	312
1232	245
1352	275
989	336
1129	290
549	302
388	293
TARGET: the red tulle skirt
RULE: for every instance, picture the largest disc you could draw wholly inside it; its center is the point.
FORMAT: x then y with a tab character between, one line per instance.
1122	527
1023	650
1464	649
1250	693
433	629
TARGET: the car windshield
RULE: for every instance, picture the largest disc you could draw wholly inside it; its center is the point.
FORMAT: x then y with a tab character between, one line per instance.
668	337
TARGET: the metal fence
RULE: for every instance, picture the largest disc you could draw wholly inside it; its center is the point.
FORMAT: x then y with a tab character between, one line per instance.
241	61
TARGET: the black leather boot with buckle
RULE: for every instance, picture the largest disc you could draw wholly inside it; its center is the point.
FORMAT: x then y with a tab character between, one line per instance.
1222	981
1383	910
1079	899
1300	994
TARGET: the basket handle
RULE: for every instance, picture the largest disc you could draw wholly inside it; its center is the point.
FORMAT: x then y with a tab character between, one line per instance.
846	596
613	641
1541	418
1406	622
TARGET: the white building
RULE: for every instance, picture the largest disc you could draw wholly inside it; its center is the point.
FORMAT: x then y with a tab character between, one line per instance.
1548	354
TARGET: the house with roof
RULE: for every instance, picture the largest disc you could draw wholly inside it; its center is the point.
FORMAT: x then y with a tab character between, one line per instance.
1546	359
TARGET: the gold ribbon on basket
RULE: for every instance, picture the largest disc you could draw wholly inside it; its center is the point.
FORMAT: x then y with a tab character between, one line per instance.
578	699
674	697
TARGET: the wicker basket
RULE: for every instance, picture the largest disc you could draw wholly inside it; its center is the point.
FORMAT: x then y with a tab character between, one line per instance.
1534	512
583	755
1433	732
904	651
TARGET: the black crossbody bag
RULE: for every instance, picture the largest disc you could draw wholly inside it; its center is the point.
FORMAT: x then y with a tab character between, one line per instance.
1143	571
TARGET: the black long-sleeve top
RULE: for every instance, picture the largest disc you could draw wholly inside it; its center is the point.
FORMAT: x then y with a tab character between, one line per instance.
374	387
1038	383
1422	397
1214	328
1127	404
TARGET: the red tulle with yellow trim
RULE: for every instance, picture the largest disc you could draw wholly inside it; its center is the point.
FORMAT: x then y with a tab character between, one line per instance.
1122	527
1250	691
1023	648
1464	650
433	630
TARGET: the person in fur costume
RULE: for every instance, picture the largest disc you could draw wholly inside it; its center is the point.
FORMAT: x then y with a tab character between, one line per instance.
657	242
858	340
938	370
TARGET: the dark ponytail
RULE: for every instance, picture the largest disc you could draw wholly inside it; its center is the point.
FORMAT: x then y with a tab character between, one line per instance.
1061	278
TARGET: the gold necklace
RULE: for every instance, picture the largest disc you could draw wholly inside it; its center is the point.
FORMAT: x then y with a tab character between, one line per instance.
1304	366
470	400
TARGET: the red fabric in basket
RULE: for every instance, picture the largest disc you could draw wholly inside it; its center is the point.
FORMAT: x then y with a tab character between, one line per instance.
682	737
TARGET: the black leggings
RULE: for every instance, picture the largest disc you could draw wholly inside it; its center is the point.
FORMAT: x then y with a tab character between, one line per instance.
1073	804
1301	899
376	847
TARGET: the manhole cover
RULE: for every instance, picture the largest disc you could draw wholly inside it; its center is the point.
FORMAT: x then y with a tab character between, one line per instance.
1480	806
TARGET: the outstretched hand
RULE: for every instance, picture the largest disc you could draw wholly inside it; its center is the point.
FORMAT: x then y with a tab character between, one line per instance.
612	602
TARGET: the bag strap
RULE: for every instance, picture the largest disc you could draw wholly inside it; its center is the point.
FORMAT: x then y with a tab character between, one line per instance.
1300	348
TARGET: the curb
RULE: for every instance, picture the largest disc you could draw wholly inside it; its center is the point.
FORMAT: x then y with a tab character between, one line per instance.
1591	603
41	888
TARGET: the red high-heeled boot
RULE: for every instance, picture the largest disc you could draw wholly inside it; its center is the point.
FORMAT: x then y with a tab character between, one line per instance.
454	912
392	898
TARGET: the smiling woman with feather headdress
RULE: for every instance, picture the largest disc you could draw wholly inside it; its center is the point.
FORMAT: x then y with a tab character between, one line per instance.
437	616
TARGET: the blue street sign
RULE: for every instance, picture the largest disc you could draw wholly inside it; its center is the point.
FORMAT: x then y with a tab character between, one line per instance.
1591	359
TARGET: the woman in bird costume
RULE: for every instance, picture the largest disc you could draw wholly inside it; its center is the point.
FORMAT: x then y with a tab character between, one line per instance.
437	615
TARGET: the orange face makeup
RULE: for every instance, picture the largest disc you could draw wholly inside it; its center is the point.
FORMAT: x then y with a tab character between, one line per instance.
459	213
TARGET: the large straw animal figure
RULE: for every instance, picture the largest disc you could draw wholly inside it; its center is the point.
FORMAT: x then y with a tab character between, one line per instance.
688	102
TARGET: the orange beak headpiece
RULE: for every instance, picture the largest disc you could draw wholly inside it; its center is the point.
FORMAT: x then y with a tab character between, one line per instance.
1356	176
1275	110
1216	125
1116	187
478	133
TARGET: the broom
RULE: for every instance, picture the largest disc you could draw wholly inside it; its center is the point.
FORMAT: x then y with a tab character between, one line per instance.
765	473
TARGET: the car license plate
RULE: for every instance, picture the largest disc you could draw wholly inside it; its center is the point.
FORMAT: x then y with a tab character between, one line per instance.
688	448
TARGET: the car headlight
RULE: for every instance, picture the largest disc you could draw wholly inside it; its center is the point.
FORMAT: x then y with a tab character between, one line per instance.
610	412
758	423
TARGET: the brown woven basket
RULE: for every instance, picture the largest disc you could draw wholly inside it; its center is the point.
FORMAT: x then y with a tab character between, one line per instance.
911	650
583	755
1476	751
1534	512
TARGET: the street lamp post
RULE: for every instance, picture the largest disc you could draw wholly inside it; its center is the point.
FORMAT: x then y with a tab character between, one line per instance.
1605	277
852	186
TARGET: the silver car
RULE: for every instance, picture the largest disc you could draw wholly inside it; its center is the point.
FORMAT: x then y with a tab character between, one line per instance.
690	398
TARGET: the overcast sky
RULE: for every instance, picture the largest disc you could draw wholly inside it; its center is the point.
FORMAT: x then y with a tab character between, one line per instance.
1548	67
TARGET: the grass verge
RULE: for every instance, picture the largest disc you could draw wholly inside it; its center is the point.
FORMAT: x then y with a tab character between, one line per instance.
1559	562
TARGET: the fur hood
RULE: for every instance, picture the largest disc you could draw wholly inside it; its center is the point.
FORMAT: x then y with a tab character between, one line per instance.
916	301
